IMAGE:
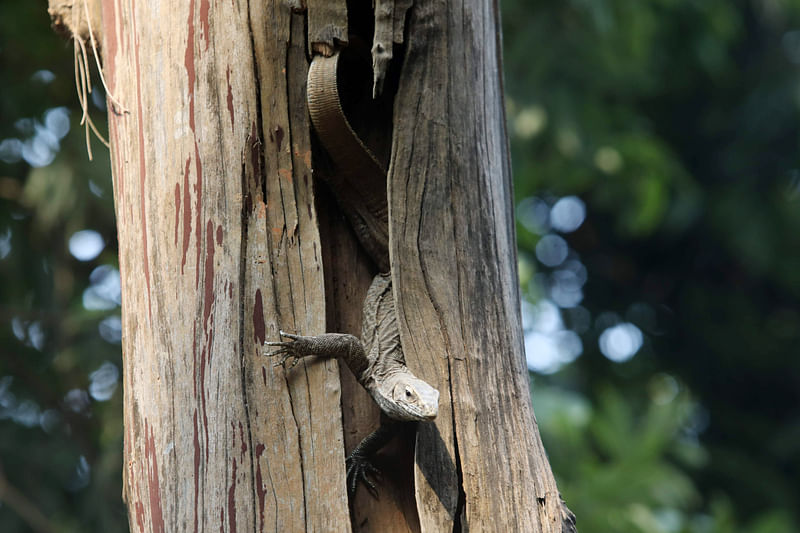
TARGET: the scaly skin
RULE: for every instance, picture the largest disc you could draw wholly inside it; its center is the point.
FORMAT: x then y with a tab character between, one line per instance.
359	185
378	363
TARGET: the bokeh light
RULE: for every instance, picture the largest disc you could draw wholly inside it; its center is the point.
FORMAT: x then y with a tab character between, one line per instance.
104	290
549	345
567	214
551	250
103	381
85	245
620	342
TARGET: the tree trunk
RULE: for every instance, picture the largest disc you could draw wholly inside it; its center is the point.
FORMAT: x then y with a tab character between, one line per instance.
219	226
482	463
219	249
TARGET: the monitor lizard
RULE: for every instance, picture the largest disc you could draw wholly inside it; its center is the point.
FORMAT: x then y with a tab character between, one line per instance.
377	359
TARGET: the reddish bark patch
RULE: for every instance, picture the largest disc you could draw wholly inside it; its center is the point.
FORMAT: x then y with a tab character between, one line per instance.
285	173
177	210
140	515
219	235
204	21
151	457
232	500
208	330
187	213
259	326
198	189
241	438
230	96
262	494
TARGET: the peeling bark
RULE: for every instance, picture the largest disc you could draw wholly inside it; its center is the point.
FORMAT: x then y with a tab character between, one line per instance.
219	249
68	18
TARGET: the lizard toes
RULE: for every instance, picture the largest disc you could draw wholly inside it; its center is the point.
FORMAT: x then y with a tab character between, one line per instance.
276	352
372	489
361	469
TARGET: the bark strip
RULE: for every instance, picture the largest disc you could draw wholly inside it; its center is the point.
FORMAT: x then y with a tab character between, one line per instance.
219	249
481	465
327	24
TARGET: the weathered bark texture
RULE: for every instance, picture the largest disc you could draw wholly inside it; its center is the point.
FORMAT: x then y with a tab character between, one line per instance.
219	248
68	18
219	225
481	464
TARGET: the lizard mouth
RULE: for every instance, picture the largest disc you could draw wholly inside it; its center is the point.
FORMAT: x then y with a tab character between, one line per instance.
421	415
430	407
426	417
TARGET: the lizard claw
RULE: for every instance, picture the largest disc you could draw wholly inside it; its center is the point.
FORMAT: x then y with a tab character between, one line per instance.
286	349
359	468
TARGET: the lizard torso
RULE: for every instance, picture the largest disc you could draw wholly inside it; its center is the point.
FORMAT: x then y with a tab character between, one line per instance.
359	184
398	392
377	359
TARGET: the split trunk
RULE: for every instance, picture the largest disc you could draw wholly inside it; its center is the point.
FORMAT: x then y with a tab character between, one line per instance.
226	236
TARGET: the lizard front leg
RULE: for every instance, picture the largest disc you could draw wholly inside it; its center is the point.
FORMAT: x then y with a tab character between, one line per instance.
359	462
341	345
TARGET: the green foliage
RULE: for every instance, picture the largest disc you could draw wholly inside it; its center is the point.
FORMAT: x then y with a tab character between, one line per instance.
677	123
623	465
61	445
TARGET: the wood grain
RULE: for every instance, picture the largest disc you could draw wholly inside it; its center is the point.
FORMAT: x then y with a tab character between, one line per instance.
481	466
327	24
219	248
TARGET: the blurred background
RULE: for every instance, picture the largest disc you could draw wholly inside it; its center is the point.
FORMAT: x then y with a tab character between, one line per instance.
655	152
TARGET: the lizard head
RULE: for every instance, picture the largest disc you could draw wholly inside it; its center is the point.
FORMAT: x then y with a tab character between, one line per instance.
409	399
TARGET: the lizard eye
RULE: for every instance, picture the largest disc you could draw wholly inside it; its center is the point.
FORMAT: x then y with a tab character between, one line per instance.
409	393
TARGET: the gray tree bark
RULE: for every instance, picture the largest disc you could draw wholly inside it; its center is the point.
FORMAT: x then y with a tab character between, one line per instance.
454	265
224	239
